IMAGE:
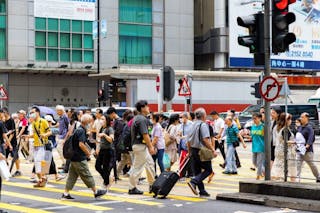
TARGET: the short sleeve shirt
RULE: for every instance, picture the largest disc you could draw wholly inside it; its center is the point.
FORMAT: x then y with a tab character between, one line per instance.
232	134
157	132
104	143
199	127
139	127
79	136
2	131
23	123
40	126
218	125
257	134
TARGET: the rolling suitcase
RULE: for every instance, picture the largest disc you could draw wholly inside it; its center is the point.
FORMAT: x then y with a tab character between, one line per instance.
164	183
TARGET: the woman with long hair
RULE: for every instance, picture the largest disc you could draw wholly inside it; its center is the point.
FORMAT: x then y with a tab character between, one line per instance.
158	140
277	171
173	130
104	162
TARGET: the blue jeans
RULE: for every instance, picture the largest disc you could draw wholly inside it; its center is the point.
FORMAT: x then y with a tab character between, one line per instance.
160	159
231	159
197	166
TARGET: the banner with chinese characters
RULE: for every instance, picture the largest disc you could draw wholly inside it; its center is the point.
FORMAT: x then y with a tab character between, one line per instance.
303	54
65	9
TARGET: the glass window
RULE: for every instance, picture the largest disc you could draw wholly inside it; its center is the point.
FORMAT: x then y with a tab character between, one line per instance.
88	26
76	41
64	25
76	55
135	11
65	40
77	26
3	44
52	55
65	55
53	39
135	50
3	6
62	40
41	54
40	39
88	56
135	30
41	24
3	22
52	24
88	42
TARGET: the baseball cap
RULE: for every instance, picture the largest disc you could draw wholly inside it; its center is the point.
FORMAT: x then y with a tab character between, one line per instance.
49	119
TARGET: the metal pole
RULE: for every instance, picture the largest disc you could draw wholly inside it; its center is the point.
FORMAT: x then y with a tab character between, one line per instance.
267	72
286	133
190	85
98	40
163	52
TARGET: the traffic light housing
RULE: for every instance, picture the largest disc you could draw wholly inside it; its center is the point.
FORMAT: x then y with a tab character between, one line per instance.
256	91
281	19
255	40
108	90
100	95
168	83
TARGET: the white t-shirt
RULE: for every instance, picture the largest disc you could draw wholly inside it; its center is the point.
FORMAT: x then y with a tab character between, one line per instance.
218	125
97	126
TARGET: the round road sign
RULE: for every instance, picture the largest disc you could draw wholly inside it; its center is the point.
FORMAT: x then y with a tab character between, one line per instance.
269	88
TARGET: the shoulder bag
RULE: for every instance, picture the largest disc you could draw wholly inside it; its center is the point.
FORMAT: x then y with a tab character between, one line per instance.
205	154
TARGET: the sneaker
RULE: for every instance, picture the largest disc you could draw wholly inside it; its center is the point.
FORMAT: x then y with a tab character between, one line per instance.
253	169
60	177
66	197
234	173
227	172
135	191
193	187
222	165
100	193
204	194
318	181
16	174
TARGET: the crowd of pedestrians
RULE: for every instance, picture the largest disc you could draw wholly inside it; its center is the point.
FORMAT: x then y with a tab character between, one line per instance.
142	140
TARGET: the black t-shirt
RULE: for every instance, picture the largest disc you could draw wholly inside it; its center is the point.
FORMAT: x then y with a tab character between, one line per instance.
118	127
2	131
138	128
10	125
79	136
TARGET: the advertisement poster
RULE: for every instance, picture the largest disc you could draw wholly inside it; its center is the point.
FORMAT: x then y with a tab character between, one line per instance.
304	54
65	9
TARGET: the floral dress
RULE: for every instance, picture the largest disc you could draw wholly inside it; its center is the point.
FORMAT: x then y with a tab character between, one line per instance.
277	170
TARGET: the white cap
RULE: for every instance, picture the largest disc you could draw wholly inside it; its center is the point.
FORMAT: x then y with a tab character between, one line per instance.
49	119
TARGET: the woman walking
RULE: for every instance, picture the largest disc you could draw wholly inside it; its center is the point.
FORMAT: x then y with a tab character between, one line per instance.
277	171
158	140
173	130
104	162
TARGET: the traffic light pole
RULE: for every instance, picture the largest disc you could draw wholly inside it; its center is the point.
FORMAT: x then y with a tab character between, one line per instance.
267	72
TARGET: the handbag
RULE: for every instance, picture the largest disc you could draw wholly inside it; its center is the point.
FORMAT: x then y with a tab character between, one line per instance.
236	144
167	137
205	154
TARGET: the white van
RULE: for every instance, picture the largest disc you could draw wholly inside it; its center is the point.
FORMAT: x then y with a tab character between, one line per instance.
119	110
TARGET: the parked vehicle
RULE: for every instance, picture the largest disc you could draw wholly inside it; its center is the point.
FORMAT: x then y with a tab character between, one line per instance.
119	110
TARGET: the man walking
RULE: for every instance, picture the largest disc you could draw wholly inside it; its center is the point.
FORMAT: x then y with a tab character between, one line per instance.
142	148
41	132
308	133
218	129
63	129
185	129
200	136
79	161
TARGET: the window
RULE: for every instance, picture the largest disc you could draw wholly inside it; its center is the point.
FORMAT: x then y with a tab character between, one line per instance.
63	40
135	32
3	30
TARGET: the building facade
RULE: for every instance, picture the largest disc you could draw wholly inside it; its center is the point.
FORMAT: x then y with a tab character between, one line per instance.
47	48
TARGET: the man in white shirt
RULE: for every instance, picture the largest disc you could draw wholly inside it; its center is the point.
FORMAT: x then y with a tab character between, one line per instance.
218	129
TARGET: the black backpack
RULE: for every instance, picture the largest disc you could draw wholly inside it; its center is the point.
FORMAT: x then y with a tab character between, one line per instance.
124	144
68	150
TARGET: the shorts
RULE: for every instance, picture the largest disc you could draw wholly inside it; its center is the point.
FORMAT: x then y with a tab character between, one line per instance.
14	150
39	156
